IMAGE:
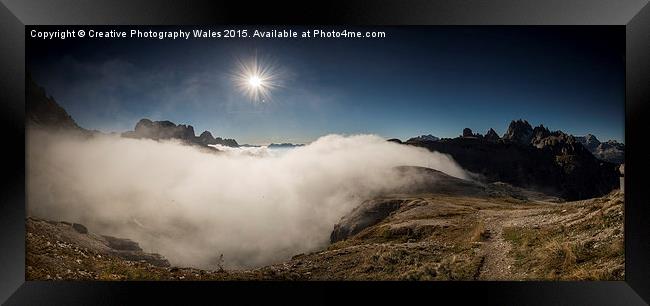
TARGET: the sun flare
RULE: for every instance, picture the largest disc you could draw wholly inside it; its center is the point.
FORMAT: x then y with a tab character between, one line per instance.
256	79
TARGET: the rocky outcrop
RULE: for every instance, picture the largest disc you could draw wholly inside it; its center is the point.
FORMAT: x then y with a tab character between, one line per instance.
161	130
365	215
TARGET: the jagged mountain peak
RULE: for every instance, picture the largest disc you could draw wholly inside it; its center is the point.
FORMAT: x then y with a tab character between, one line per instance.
519	131
492	135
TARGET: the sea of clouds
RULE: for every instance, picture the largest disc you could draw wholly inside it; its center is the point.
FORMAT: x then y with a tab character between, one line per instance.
253	205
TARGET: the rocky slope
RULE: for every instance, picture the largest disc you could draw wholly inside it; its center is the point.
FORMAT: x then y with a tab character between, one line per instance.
43	112
531	158
64	250
455	230
427	180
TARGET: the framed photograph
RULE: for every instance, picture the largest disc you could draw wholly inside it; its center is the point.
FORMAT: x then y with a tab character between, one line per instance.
214	152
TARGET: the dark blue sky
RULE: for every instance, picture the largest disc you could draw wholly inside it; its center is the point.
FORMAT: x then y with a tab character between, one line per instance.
418	80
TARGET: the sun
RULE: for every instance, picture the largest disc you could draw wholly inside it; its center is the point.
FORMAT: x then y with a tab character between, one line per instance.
256	79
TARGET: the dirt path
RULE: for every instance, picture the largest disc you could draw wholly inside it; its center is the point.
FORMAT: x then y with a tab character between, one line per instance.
497	264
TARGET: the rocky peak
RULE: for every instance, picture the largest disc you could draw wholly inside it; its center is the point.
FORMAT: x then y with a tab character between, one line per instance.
589	141
206	134
492	135
206	138
519	131
539	134
428	137
467	133
541	131
226	142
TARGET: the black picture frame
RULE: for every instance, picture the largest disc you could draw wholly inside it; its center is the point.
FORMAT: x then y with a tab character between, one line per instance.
634	15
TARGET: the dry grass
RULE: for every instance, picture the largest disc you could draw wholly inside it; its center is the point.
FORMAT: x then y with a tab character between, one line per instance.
589	248
479	233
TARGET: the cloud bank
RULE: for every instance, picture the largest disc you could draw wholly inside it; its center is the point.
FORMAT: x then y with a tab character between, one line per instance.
191	206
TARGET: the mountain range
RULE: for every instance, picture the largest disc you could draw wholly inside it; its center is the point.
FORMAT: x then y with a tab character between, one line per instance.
42	111
611	150
536	158
158	130
508	223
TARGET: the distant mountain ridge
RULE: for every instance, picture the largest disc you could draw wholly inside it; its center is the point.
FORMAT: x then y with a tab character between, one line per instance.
42	111
552	162
283	145
549	161
158	130
611	150
424	138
